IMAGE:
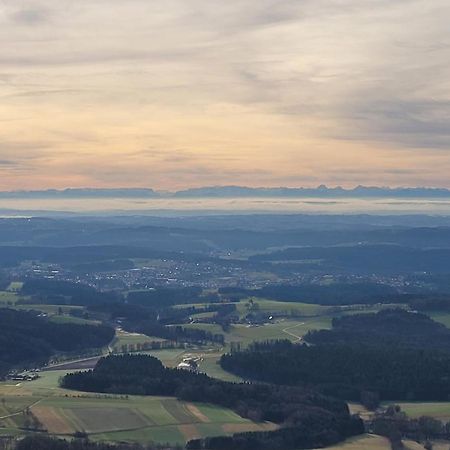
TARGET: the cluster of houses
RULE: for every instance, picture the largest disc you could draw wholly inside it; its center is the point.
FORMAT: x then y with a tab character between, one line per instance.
24	376
189	363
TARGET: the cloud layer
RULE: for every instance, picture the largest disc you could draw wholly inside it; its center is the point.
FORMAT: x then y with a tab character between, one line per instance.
185	93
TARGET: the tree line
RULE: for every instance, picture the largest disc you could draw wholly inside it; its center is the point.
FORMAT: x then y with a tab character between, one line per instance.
395	425
389	327
306	417
340	293
351	372
391	355
28	339
36	442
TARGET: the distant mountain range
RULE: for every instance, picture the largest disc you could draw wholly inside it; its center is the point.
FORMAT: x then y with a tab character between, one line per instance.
83	193
235	192
319	192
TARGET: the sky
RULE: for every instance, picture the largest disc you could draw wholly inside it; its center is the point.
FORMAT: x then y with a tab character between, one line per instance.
172	94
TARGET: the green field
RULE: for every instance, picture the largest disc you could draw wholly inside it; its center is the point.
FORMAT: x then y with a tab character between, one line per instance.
374	442
8	298
210	365
161	419
284	308
292	320
49	309
72	319
113	418
366	309
437	445
442	317
208	360
15	286
281	329
292	329
142	419
58	313
438	410
364	442
133	339
270	307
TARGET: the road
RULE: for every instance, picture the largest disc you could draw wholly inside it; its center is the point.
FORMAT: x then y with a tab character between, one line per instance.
287	331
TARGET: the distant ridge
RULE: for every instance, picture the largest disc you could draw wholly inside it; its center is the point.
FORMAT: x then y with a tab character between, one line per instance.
319	192
236	192
82	193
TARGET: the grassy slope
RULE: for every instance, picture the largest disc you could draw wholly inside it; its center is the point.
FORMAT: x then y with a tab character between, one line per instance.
438	410
442	317
124	338
272	306
374	442
281	329
108	417
8	298
364	442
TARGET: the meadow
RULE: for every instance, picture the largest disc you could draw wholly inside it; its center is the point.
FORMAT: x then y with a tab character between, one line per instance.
292	329
110	417
161	419
8	298
208	360
283	308
292	320
15	286
132	339
442	317
374	442
438	410
364	442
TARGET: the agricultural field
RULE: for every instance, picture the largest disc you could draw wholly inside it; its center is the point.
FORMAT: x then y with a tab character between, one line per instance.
374	442
8	298
50	309
205	315
437	445
210	365
133	339
58	313
271	307
292	320
292	329
362	411
15	286
208	360
281	329
364	442
285	308
442	317
438	410
65	318
361	309
113	418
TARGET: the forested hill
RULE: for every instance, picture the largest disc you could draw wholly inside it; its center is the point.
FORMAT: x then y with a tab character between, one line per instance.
27	339
351	372
378	258
390	327
36	442
391	355
307	419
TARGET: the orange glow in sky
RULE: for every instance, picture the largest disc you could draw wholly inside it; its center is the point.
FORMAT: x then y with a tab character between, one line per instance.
181	93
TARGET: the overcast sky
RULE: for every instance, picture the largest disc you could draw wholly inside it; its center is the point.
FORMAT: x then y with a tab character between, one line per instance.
178	93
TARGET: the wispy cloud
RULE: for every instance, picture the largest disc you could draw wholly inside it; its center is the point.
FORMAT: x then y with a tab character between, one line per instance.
263	91
31	16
